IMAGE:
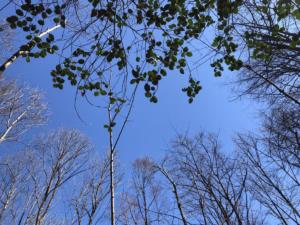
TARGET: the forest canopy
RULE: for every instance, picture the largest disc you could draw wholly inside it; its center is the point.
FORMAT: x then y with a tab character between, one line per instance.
143	41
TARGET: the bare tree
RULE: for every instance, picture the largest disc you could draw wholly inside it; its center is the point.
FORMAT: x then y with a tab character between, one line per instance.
47	164
6	41
89	204
272	161
21	108
209	187
144	201
281	130
12	177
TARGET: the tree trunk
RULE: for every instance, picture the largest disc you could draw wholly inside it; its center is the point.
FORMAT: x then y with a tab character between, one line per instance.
111	168
112	187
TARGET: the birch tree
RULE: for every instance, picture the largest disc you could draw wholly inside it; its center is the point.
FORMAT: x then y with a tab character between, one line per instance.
21	108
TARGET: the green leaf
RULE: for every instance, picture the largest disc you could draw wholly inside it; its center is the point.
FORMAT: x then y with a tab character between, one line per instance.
189	54
41	22
154	99
112	100
103	92
12	19
94	12
19	12
56	20
296	14
81	61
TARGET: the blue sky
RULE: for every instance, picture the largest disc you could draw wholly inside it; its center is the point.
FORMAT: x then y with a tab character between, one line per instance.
151	126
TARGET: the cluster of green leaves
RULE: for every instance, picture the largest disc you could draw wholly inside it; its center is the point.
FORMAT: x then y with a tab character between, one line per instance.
165	49
285	9
224	42
31	18
164	29
193	89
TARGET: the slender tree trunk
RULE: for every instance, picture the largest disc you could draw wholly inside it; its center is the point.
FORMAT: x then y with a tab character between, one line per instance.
3	136
112	114
112	188
145	206
111	168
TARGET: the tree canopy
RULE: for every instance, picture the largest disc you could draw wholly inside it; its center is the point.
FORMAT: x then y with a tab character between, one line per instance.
142	41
